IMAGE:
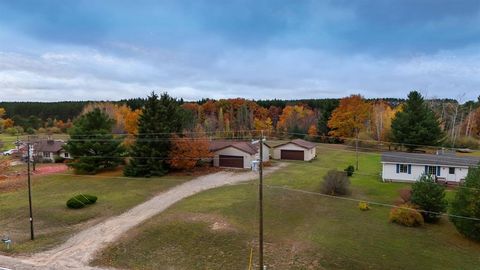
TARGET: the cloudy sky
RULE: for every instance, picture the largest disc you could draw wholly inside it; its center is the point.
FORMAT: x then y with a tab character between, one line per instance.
112	49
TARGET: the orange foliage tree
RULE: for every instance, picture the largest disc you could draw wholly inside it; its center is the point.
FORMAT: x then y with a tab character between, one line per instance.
312	131
349	117
296	118
185	152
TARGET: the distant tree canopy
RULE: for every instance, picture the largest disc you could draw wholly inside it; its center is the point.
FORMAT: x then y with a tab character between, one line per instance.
43	110
416	124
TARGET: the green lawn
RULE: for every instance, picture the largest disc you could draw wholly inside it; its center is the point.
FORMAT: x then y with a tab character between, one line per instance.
54	221
216	229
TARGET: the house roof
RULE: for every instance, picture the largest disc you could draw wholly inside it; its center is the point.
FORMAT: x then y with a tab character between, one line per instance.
428	159
244	146
49	146
301	143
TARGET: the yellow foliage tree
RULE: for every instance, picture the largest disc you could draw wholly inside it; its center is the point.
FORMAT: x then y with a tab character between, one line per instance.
265	125
381	119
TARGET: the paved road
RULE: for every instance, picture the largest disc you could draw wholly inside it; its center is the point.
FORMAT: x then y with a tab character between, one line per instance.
79	250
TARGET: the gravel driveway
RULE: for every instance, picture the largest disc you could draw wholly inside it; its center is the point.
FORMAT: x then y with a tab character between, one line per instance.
79	250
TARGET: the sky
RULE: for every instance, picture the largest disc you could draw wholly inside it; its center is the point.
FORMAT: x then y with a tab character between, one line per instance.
52	50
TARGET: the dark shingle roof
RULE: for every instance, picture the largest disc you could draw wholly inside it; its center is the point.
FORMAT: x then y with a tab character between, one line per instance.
428	159
49	146
247	147
301	143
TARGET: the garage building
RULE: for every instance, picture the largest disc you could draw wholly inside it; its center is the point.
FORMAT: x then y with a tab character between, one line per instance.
297	149
236	154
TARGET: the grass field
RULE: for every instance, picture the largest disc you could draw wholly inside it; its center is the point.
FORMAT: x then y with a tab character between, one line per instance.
9	140
54	221
217	229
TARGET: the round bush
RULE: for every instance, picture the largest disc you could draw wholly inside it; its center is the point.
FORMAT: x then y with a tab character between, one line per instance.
80	201
406	215
363	206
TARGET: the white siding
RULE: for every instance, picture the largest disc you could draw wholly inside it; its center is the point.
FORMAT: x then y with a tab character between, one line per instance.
232	151
389	173
309	154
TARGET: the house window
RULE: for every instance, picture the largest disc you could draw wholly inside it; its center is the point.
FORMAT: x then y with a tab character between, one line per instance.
46	154
432	170
65	155
403	168
451	170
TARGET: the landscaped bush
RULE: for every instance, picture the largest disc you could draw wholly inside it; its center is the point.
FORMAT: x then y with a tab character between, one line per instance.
335	183
349	170
430	197
466	206
80	201
407	215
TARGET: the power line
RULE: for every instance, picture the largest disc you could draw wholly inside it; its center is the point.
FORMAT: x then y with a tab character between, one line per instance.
369	202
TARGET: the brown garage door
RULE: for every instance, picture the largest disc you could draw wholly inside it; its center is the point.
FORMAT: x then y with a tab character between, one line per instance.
231	161
291	154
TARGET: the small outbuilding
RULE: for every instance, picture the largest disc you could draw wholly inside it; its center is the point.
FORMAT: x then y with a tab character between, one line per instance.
297	149
236	154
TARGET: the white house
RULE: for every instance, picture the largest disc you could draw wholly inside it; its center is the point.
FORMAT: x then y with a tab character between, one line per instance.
295	150
237	154
48	150
409	167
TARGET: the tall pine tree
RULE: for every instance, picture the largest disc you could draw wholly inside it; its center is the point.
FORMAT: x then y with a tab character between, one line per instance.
416	124
92	145
160	119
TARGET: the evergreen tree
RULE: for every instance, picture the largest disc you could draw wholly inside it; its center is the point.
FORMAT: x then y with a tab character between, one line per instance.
160	119
416	124
429	196
92	145
465	207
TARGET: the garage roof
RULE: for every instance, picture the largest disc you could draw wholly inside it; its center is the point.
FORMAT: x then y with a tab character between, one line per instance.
244	146
301	143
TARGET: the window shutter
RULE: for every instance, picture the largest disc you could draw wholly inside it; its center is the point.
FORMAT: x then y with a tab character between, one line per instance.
426	170
409	168
398	168
438	170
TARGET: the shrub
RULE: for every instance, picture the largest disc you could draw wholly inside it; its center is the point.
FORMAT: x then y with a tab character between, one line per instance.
466	206
80	201
407	215
30	131
58	159
363	206
430	197
349	170
335	183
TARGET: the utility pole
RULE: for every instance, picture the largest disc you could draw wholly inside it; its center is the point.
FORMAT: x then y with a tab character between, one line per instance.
356	146
260	197
32	236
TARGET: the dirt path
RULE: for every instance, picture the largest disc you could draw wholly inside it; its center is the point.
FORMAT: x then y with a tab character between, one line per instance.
79	250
